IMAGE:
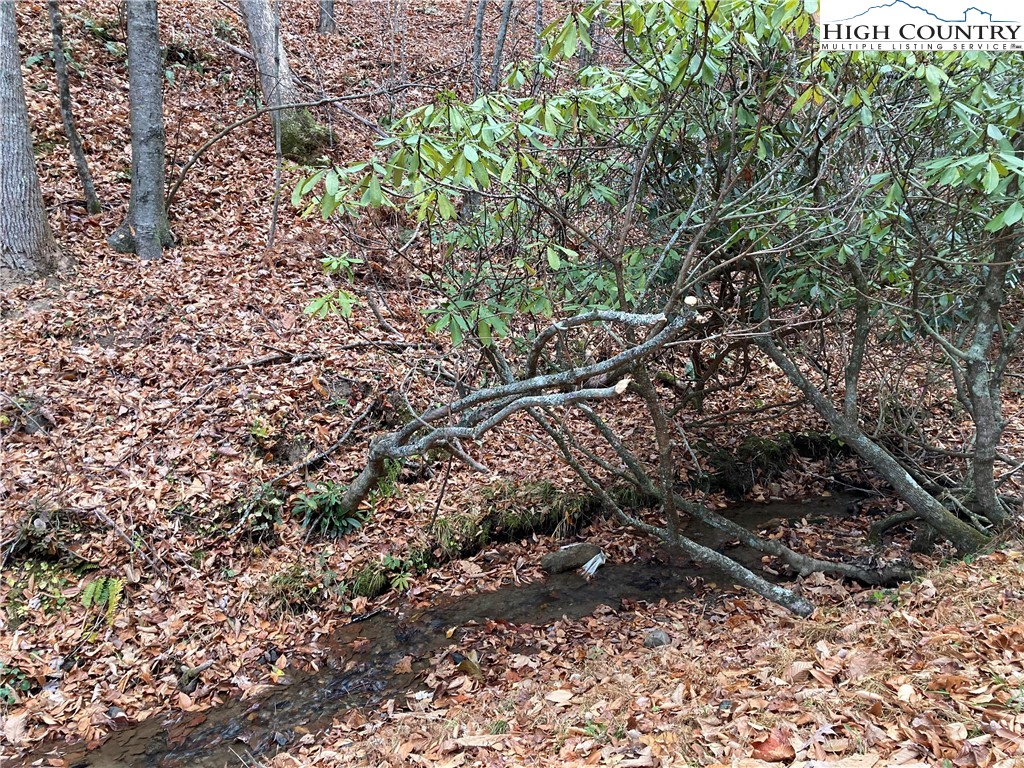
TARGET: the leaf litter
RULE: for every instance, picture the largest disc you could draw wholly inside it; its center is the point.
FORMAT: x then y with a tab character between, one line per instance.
134	423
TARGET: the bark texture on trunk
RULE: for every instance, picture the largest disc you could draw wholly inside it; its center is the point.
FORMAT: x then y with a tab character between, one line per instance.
92	202
984	388
538	41
145	230
326	23
478	47
276	80
301	135
26	242
499	44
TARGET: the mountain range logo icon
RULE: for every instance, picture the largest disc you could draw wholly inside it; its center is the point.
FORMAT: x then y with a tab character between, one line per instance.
970	15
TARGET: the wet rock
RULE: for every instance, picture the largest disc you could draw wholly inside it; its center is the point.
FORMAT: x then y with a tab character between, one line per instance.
656	638
568	558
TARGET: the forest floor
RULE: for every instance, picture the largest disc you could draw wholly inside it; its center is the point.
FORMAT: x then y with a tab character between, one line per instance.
142	406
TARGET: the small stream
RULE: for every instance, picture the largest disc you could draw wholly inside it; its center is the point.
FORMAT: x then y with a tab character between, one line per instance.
262	725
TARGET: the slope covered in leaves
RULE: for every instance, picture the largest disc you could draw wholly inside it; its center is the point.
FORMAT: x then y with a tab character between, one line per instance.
144	405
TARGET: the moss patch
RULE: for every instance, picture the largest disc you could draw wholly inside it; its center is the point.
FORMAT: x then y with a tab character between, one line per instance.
302	136
756	458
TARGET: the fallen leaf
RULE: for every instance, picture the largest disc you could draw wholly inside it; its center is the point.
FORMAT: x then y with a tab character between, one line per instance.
483	740
560	696
16	728
775	748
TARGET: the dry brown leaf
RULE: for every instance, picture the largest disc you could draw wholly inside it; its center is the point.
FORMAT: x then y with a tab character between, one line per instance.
774	748
798	671
906	692
16	728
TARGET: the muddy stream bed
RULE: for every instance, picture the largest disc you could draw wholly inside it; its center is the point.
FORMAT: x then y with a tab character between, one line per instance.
272	720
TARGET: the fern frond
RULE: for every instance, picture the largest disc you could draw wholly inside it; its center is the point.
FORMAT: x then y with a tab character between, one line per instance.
89	593
114	592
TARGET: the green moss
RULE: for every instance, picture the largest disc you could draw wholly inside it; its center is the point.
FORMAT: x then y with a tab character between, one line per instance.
756	458
631	497
457	535
302	136
770	455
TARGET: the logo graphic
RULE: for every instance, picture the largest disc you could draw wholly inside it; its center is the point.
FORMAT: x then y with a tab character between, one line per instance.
921	25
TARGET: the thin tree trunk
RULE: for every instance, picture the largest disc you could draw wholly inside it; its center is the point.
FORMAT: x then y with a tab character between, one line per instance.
276	80
300	133
145	230
499	44
92	202
478	45
326	24
586	57
984	387
963	536
26	242
538	39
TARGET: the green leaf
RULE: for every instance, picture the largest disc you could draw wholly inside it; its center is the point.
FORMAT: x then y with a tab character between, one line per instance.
331	183
554	260
509	169
1013	214
373	195
991	179
445	207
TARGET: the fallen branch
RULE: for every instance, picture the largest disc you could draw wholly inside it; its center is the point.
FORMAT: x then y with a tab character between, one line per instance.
472	416
802	564
280	357
878	528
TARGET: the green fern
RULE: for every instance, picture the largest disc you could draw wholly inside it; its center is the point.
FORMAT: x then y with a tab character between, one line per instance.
104	593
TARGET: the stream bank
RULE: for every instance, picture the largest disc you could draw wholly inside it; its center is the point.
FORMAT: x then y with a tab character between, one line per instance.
363	671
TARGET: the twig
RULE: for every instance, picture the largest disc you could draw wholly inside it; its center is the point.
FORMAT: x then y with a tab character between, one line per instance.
117	529
303	357
371	302
280	357
318	457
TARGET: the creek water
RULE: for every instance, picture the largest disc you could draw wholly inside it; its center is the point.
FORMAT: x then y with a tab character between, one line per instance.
362	678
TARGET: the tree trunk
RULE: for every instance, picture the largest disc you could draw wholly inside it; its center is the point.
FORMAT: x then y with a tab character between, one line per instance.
963	536
92	202
588	57
538	41
478	47
499	44
984	388
300	134
326	24
145	230
26	242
